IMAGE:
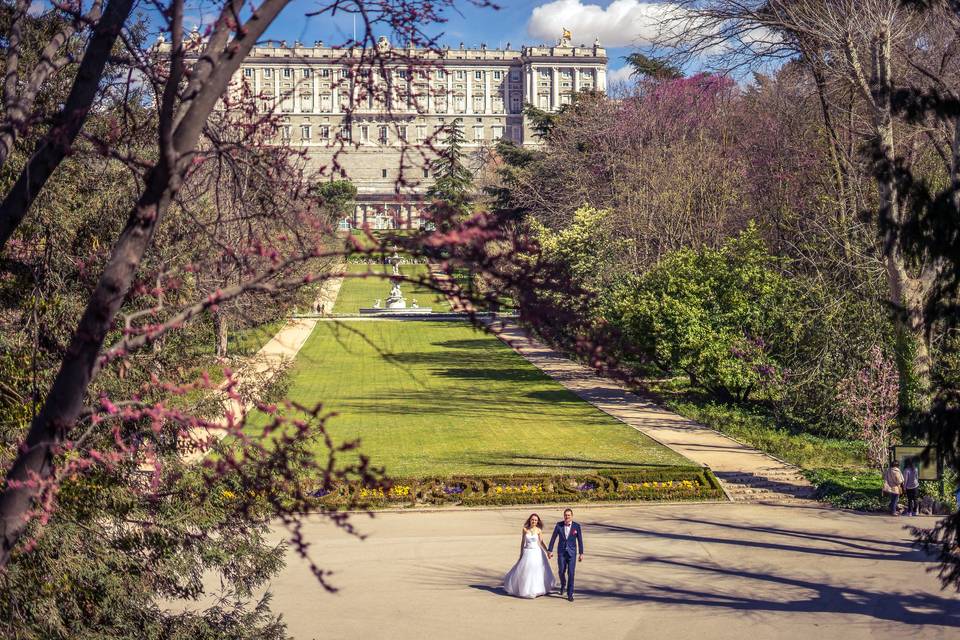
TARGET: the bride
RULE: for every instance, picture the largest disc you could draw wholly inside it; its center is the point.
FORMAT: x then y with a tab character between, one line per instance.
531	576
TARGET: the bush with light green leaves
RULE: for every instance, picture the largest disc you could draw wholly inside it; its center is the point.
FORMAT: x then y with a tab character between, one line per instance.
718	315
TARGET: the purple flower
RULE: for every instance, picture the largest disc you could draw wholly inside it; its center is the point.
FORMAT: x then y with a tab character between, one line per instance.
586	486
319	493
455	490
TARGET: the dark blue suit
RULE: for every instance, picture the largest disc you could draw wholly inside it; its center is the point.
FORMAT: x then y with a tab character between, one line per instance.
567	553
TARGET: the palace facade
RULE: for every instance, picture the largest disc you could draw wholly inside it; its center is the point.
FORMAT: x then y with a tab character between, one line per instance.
381	114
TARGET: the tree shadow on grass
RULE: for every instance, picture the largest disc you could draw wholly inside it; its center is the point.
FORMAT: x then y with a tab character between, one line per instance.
539	461
464	404
483	344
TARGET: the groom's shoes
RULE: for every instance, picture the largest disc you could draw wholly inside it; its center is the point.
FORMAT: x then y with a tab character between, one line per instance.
563	588
570	597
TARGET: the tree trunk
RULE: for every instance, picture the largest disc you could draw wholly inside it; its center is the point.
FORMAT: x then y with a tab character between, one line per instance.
220	333
179	132
53	147
907	294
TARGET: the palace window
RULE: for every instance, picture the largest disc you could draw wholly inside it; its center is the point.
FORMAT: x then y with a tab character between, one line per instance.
382	136
459	75
268	73
324	132
248	73
305	132
383	173
402	73
421	133
346	136
285	131
426	172
515	75
496	132
402	133
478	75
287	73
324	73
306	73
364	133
478	133
497	75
440	74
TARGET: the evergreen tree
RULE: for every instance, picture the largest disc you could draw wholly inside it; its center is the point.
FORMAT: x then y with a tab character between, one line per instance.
453	181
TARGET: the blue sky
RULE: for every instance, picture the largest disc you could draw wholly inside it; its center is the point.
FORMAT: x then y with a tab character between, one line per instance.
621	25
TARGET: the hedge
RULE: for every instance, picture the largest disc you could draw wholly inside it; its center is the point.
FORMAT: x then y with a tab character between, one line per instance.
661	484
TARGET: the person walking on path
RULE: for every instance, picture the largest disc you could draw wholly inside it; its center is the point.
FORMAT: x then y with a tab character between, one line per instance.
570	534
893	486
911	485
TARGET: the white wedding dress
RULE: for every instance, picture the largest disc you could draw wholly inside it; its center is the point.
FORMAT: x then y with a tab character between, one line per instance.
531	576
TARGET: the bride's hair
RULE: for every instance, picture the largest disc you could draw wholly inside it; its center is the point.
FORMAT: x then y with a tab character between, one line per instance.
526	525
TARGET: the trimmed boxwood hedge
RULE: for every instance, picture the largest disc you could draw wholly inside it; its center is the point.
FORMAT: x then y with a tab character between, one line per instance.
661	484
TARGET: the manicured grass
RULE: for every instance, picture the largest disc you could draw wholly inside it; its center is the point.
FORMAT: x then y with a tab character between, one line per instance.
246	342
367	282
755	426
439	398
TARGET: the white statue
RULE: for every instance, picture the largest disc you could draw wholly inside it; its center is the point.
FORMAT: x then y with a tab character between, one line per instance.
376	305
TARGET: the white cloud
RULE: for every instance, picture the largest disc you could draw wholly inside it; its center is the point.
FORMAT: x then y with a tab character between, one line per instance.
622	23
619	75
36	8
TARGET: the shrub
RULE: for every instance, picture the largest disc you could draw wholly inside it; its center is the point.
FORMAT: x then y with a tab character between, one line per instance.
673	483
715	314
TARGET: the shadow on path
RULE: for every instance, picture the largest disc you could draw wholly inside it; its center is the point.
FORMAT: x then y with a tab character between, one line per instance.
821	550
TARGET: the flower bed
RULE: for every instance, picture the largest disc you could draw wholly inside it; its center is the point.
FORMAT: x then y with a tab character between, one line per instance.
666	484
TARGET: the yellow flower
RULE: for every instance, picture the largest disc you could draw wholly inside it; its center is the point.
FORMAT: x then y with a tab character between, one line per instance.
229	495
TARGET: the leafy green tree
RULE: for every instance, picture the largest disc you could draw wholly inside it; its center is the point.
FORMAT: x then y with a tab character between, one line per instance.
715	314
336	197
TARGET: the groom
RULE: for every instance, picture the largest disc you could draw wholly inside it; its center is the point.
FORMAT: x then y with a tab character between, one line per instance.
571	539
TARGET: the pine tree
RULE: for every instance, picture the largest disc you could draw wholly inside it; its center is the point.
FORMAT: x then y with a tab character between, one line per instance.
453	181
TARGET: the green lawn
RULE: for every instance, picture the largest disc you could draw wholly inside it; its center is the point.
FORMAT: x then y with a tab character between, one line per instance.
439	398
365	283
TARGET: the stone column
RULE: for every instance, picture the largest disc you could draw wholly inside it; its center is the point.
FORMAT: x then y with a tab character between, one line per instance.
449	73
602	79
276	91
469	91
334	93
316	91
531	94
486	91
256	82
576	79
506	92
554	88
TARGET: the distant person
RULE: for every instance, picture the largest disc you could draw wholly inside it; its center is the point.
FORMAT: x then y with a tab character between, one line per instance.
531	575
911	485
893	486
571	540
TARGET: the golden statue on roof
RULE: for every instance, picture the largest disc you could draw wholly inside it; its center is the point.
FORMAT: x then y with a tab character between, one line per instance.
566	34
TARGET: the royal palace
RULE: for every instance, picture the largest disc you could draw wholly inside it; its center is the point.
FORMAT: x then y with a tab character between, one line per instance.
381	114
